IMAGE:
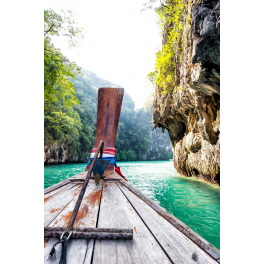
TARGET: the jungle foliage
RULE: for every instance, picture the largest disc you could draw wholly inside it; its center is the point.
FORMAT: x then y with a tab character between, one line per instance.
62	122
135	138
171	14
70	104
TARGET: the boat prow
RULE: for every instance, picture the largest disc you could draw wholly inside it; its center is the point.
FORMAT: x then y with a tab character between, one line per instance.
158	236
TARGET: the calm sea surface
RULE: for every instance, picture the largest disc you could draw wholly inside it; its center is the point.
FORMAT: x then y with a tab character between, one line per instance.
194	202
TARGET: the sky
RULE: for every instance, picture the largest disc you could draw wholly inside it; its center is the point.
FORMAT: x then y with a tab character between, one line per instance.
119	42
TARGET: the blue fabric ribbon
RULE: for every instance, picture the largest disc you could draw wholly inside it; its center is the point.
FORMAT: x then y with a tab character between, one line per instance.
112	160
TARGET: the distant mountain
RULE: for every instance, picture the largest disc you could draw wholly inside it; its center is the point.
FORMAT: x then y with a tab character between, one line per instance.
135	138
97	82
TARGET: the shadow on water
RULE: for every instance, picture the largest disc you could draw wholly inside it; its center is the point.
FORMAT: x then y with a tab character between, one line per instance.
193	201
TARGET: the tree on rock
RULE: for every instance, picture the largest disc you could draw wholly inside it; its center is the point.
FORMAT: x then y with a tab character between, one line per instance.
61	120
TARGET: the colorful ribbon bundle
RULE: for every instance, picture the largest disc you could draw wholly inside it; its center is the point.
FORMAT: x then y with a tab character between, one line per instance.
108	154
110	151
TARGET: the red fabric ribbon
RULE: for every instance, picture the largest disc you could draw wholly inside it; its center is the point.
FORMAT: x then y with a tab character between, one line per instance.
111	151
117	169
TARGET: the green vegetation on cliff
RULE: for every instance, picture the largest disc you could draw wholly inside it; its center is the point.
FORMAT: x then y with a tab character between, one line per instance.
61	120
171	16
135	138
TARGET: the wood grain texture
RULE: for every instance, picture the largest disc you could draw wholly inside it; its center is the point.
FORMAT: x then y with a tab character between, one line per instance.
112	175
55	186
179	248
51	193
116	212
78	249
81	176
108	112
77	181
56	203
187	231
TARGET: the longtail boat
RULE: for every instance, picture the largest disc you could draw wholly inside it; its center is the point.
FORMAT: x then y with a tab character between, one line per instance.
102	218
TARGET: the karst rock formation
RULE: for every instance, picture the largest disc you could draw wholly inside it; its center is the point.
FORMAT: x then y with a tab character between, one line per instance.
192	114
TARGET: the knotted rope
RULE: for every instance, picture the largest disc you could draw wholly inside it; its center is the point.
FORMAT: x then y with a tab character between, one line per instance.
53	253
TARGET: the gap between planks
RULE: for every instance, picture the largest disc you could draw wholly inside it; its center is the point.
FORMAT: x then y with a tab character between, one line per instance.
177	246
54	205
79	250
117	212
146	225
187	231
92	254
56	191
56	186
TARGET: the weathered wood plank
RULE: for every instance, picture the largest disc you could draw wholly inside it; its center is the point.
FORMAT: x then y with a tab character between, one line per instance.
187	231
89	252
112	175
77	181
80	176
116	212
55	204
78	249
56	186
179	248
51	193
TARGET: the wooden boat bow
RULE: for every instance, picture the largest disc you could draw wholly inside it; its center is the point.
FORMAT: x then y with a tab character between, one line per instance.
158	236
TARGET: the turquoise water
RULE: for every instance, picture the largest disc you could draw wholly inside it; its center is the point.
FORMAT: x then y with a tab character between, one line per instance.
193	201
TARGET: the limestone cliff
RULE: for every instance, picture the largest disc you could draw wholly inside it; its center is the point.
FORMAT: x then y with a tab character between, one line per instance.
191	111
60	154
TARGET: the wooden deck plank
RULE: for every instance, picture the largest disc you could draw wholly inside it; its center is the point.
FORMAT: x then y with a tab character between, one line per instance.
56	186
89	252
81	176
187	231
179	248
116	212
51	193
55	204
79	250
112	175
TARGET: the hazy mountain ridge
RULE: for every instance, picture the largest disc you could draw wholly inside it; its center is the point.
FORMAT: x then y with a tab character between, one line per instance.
135	138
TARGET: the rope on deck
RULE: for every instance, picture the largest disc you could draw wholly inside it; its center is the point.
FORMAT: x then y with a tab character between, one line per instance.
53	253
